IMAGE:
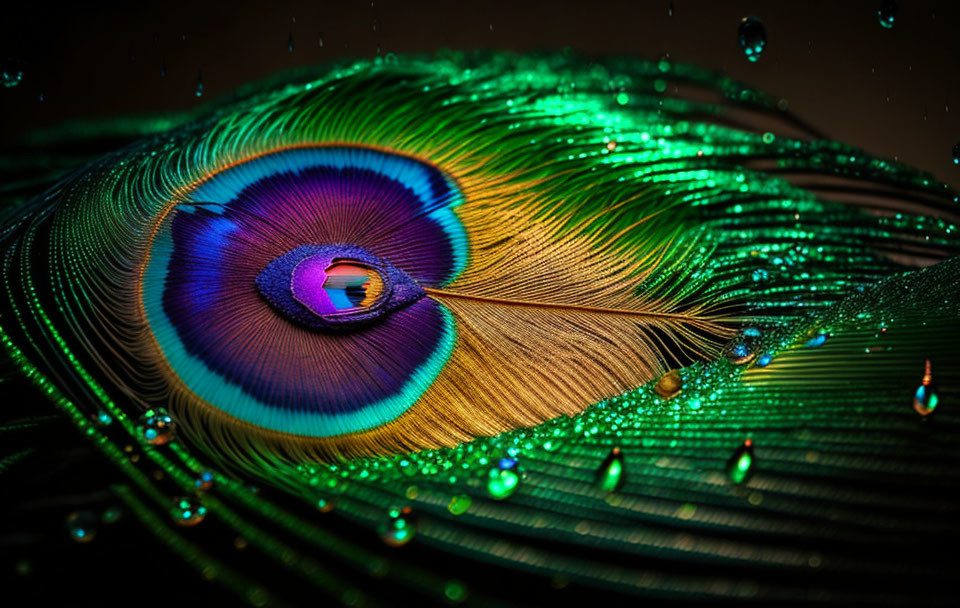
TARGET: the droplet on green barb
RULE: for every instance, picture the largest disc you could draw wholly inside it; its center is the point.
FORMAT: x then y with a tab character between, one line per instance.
459	504
503	479
740	465
610	474
400	527
925	399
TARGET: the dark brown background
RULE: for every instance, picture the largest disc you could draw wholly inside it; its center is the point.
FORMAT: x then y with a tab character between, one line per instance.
895	93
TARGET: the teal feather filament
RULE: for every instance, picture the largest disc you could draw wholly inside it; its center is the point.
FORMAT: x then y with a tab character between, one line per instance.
574	244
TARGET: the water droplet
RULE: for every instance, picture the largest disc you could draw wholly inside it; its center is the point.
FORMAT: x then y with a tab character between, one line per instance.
157	427
887	13
399	528
163	68
740	465
204	481
744	348
764	360
816	341
199	90
956	153
459	504
11	72
82	526
455	591
610	473
752	37
290	42
320	40
669	384
925	399
325	504
670	9
503	479
188	511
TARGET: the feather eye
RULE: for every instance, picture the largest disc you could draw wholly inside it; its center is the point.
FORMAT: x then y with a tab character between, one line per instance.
290	280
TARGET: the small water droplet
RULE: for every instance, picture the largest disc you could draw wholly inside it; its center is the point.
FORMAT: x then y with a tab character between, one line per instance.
887	13
670	9
459	504
752	37
199	90
925	398
956	153
163	68
188	511
502	480
399	527
82	526
455	591
290	42
11	72
325	504
157	427
320	40
610	473
744	347
204	481
740	465
816	341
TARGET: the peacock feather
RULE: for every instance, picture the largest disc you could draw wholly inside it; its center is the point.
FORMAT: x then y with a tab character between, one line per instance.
533	313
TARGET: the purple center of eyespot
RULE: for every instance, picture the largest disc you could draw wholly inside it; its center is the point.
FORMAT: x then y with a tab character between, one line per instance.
335	287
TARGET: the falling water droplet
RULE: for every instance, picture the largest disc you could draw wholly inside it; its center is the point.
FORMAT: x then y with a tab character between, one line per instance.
157	427
752	37
610	473
459	504
956	153
399	528
503	479
290	42
199	90
670	9
320	40
82	526
188	511
163	68
669	384
887	13
740	465
925	399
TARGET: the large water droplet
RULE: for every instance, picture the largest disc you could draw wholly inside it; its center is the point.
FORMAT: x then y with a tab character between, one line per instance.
157	427
925	398
459	504
740	465
503	479
188	511
887	13
399	528
752	37
610	473
669	384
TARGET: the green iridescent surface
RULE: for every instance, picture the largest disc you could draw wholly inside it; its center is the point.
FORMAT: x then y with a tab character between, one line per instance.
818	246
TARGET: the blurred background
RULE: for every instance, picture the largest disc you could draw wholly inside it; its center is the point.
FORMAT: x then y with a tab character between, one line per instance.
894	92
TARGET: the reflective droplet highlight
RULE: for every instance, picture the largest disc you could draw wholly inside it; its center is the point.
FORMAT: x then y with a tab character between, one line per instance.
157	427
956	153
399	528
11	73
502	481
752	37
188	511
740	465
887	13
610	473
925	398
82	526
